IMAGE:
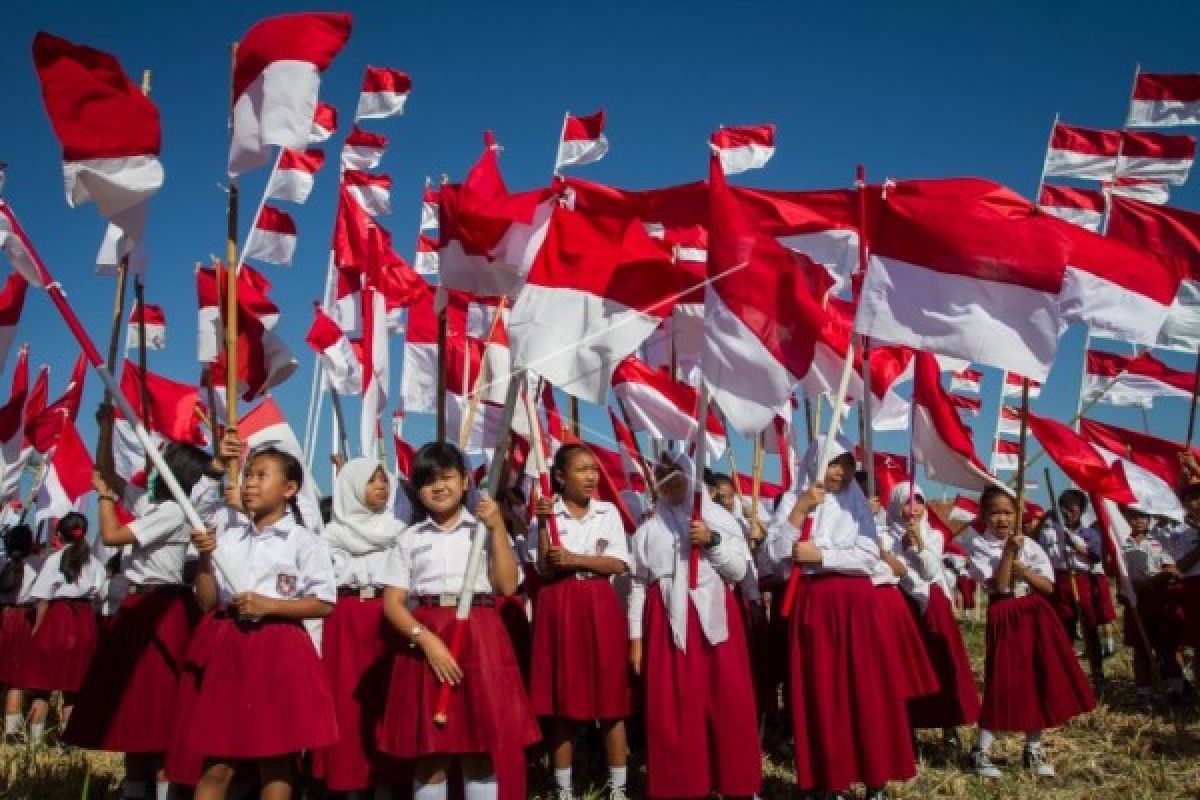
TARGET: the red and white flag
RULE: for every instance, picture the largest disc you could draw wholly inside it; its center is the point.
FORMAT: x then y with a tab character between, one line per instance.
664	408
1006	455
12	301
635	470
940	440
971	405
598	288
426	259
1082	207
155	324
966	380
376	362
743	148
13	452
68	477
965	268
373	192
680	339
1159	456
276	76
1132	380
1156	157
293	178
1079	459
1087	153
340	362
1009	422
17	249
173	410
404	451
324	123
384	92
363	150
583	141
1161	101
35	403
762	316
109	131
273	237
1155	192
116	246
964	510
1014	385
429	208
418	383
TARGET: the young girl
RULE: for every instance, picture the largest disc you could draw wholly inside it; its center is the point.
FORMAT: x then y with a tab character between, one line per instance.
909	535
64	629
356	657
689	646
489	710
1184	547
1151	567
580	634
127	700
1032	679
848	700
253	689
16	621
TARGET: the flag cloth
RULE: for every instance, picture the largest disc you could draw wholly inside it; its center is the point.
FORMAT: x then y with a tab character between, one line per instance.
276	76
743	148
971	405
403	450
173	408
1006	456
36	400
1155	192
340	363
966	380
1160	456
17	249
1156	157
116	246
1086	153
1014	386
155	323
68	477
273	237
1154	495
583	141
429	209
426	260
1162	100
1080	461
376	365
663	407
12	301
384	93
363	150
1132	380
1082	207
293	179
1009	422
13	452
964	510
373	192
324	123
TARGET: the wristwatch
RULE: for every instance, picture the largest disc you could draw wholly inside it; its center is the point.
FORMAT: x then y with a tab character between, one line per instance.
416	631
714	541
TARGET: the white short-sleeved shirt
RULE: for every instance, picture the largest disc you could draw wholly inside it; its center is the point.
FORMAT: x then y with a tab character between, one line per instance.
1060	545
428	559
1182	542
359	572
283	561
598	533
51	584
984	552
161	535
1146	558
29	573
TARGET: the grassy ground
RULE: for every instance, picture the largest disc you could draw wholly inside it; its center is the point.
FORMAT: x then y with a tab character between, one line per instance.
1125	750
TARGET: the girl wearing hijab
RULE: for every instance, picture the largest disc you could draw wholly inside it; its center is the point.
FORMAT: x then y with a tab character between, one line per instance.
848	700
910	537
689	646
360	534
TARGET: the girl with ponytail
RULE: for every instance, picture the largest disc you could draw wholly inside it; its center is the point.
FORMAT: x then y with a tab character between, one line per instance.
16	620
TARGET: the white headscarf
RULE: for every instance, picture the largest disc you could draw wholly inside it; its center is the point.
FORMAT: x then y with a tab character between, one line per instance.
897	503
842	515
355	529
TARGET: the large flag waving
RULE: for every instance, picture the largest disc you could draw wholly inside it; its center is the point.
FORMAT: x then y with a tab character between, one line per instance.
663	407
1080	461
1132	380
1164	100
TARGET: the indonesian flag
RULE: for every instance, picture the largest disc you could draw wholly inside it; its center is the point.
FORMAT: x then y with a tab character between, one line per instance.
618	486
1159	456
1132	381
1154	495
1082	207
1009	422
1156	156
13	452
664	408
762	316
276	75
680	338
108	129
636	471
155	323
116	246
743	148
583	141
36	402
1087	153
340	363
12	301
266	426
1005	455
966	268
404	451
1086	468
1155	192
890	469
376	366
293	178
373	192
426	260
1014	386
273	237
42	430
363	150
384	92
17	249
429	209
964	510
418	385
940	440
971	405
966	380
766	490
324	123
173	410
1160	101
598	288
68	477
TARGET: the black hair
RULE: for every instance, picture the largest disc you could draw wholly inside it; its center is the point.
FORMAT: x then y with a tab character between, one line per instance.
860	477
1073	497
326	506
1189	491
721	479
74	525
293	471
18	544
989	494
562	458
187	463
432	459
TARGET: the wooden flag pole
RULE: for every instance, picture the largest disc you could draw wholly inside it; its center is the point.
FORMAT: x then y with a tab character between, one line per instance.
1022	439
231	281
441	374
481	380
139	299
756	484
118	319
1191	430
647	473
343	443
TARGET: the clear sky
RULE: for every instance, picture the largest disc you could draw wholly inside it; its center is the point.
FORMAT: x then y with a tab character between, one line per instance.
910	89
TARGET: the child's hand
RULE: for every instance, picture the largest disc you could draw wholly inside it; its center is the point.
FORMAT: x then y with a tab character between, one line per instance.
230	449
700	534
806	553
440	661
560	558
251	606
487	512
205	542
635	656
812	497
544	507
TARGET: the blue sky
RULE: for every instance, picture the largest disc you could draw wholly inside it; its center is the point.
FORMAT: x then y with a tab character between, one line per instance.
910	89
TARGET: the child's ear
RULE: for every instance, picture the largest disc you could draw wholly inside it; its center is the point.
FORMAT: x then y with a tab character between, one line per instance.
291	489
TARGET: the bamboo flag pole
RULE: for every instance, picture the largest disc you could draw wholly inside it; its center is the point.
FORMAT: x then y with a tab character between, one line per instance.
756	482
1191	429
647	472
139	299
481	380
441	373
1021	440
231	303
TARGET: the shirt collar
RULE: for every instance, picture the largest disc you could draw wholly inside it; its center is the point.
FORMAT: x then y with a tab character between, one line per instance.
467	520
281	528
561	510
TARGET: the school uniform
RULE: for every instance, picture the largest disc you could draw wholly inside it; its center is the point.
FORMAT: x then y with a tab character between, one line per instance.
255	689
701	720
1181	542
61	649
912	662
1086	573
580	666
490	710
1161	616
16	620
1032	679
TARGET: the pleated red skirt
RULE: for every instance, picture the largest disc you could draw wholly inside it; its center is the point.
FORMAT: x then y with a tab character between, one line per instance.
849	694
16	626
1162	616
357	652
248	691
511	609
489	711
127	701
701	722
956	701
1095	598
966	588
60	651
580	651
1032	679
907	645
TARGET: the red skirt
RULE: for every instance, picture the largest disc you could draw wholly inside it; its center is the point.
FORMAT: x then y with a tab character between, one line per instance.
16	626
908	646
580	651
59	653
701	723
1187	594
248	691
1095	598
1032	679
489	711
1162	616
957	700
127	701
357	656
520	632
849	696
966	587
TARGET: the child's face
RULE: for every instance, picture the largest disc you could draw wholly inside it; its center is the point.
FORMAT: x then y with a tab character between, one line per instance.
1139	523
265	487
724	495
672	484
377	491
1001	514
581	476
913	510
839	473
1072	514
444	494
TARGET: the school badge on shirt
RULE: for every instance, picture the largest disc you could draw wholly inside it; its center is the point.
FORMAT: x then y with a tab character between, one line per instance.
601	546
285	584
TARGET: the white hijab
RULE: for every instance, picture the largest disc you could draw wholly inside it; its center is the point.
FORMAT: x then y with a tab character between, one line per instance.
842	515
897	502
355	529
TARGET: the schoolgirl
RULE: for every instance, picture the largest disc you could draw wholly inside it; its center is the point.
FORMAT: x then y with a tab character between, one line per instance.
16	620
1155	644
